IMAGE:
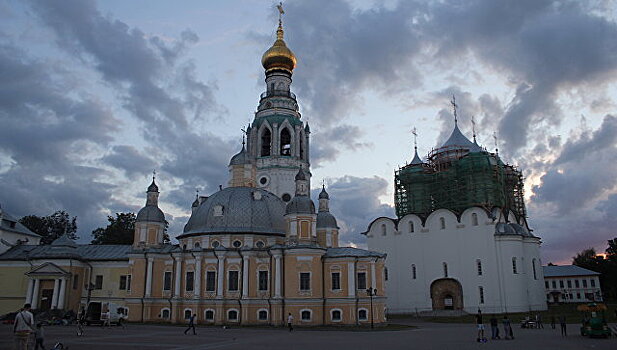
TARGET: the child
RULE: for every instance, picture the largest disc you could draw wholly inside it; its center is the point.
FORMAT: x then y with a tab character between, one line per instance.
40	336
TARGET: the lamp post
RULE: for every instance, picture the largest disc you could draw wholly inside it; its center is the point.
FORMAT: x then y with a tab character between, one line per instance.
371	293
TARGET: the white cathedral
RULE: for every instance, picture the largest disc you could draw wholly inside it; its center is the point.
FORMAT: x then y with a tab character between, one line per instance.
461	240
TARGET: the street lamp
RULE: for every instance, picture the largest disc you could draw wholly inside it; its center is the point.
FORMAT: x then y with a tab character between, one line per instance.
371	293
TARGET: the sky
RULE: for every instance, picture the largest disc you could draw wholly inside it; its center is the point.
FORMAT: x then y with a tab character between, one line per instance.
95	95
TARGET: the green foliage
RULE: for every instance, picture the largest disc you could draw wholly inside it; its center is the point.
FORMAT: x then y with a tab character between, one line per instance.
52	226
606	266
120	230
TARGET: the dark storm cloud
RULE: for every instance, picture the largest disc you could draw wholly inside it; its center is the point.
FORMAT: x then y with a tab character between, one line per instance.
327	143
130	160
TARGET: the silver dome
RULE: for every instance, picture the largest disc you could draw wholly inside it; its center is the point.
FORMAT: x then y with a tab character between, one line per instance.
300	205
240	158
239	209
150	213
326	220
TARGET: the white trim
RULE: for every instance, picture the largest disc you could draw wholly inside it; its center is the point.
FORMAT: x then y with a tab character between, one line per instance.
332	315
367	315
161	313
213	315
184	314
237	315
310	315
267	314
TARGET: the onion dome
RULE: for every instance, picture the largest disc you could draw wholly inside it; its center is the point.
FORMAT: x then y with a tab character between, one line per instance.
326	220
300	205
153	187
150	213
458	140
279	56
323	194
238	210
240	158
416	159
307	128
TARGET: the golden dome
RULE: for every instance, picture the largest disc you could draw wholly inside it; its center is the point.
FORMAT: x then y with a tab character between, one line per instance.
279	56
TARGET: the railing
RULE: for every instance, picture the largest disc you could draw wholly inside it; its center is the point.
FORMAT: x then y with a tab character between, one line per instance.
278	93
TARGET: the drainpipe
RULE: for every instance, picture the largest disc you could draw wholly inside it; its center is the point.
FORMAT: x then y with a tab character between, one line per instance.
355	273
173	275
145	281
241	284
323	290
270	320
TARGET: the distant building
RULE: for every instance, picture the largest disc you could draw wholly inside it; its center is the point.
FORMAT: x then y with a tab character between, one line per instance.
13	233
571	284
461	240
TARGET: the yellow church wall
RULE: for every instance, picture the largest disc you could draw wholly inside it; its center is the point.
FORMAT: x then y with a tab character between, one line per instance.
13	287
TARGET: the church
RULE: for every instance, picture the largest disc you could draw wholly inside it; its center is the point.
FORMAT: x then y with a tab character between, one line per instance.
250	254
461	240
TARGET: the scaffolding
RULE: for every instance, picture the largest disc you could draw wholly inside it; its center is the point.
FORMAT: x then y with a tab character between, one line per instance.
456	179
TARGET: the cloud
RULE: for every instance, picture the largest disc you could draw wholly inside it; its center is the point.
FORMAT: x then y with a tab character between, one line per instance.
327	143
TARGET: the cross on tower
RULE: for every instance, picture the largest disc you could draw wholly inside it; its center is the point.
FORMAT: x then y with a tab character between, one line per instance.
473	128
415	137
153	174
454	106
495	138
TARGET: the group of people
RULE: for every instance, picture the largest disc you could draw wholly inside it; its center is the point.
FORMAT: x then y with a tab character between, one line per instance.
24	328
507	326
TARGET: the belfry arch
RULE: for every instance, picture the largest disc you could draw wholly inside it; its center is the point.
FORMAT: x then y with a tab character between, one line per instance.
447	294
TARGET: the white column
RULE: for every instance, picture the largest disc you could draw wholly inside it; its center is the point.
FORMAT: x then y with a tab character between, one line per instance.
373	278
277	276
54	298
245	276
149	277
220	277
35	294
178	278
61	296
351	279
29	291
197	289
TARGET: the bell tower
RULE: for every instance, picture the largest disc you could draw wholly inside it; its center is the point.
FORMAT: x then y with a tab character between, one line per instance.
150	222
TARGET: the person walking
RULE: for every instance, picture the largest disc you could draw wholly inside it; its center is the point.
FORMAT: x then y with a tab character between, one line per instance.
191	324
539	323
22	328
507	328
494	328
39	335
290	320
480	327
107	319
553	321
564	326
81	320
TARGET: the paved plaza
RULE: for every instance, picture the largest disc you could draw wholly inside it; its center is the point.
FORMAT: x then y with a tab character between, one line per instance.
425	336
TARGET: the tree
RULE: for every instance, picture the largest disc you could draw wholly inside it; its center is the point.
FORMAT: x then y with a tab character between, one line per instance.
52	226
120	230
587	259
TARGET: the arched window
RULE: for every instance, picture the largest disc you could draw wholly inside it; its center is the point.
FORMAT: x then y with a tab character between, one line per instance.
411	228
305	315
197	245
362	314
336	315
383	229
479	266
481	292
301	143
266	140
385	272
188	313
413	271
165	314
533	266
474	219
514	267
209	315
445	269
442	223
262	315
232	315
285	142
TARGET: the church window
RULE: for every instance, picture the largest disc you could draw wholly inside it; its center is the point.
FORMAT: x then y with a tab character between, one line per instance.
592	282
442	223
383	229
125	282
237	244
262	315
188	313
209	315
514	267
361	280
305	281
445	269
232	281
266	140
260	244
301	143
165	314
336	281
576	284
336	315
474	219
263	280
533	266
305	315
561	284
385	273
197	245
75	281
218	210
263	180
411	228
479	266
481	290
584	283
362	314
232	315
210	281
215	244
190	278
286	197
98	282
554	284
413	272
285	142
569	284
167	280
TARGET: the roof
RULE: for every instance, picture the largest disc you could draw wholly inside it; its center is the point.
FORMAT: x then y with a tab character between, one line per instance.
416	159
8	220
240	158
340	252
153	187
80	252
326	220
566	270
323	194
300	205
150	213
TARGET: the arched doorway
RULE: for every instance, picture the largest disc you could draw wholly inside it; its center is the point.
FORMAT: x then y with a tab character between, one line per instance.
447	294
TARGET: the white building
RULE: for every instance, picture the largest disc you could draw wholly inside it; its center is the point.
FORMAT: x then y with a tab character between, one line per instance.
571	284
461	239
13	233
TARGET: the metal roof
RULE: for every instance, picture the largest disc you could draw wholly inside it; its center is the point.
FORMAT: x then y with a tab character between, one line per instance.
566	270
340	252
8	220
81	252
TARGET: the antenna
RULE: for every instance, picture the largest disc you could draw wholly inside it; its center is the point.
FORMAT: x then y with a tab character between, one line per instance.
454	105
473	128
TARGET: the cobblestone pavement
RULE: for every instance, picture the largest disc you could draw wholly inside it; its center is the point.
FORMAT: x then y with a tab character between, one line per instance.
425	336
